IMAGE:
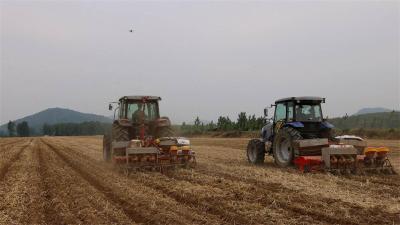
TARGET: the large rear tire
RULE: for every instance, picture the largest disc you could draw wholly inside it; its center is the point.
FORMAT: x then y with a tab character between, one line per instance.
283	146
120	133
165	132
256	151
106	148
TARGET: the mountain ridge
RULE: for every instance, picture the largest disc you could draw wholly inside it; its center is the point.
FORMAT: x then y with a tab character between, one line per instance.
368	110
57	115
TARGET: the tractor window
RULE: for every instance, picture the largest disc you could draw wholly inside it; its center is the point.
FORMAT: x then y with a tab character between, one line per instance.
132	108
308	113
152	112
290	111
137	110
317	112
280	112
122	110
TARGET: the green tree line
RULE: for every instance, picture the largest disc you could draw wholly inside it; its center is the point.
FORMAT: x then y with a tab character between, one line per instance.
374	124
61	129
386	120
21	129
224	123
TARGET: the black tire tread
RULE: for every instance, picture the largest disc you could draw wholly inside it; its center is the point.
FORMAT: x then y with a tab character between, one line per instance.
293	135
259	146
165	132
119	133
106	148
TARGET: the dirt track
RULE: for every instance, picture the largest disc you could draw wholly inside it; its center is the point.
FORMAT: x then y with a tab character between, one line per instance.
64	181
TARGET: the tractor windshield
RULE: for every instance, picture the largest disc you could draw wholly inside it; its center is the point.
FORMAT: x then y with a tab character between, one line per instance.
308	112
136	111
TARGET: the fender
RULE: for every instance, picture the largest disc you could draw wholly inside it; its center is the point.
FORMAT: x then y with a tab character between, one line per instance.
266	132
163	122
123	122
326	125
294	124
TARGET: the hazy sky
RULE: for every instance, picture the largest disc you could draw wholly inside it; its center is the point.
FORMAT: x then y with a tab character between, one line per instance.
205	59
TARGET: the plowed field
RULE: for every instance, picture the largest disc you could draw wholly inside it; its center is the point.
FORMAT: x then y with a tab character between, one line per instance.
63	180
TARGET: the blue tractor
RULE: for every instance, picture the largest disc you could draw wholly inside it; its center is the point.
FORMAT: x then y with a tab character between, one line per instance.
299	135
297	120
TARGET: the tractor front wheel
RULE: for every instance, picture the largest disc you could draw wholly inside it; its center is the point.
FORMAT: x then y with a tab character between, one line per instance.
283	146
255	151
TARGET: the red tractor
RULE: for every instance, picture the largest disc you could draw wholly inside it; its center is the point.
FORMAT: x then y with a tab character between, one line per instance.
140	138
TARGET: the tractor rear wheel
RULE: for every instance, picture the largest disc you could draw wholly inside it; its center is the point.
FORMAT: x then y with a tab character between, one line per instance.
255	151
165	132
120	133
106	148
283	146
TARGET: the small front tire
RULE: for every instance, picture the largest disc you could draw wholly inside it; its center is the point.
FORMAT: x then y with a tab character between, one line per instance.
256	151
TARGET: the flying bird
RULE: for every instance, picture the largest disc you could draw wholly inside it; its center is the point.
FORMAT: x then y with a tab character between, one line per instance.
131	30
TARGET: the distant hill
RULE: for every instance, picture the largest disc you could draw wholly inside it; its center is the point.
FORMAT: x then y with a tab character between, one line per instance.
370	120
371	110
57	115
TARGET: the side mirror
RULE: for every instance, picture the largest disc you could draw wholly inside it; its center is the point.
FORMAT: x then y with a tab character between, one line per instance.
110	107
265	112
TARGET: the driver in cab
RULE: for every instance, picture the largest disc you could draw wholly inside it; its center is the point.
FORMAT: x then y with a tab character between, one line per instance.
139	116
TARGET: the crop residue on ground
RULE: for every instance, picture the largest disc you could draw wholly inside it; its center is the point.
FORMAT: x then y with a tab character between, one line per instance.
63	180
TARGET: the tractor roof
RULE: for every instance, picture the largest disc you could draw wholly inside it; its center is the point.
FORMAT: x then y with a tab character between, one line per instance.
140	97
303	98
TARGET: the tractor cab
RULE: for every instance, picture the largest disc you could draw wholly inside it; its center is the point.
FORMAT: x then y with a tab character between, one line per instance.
301	113
142	139
139	109
140	116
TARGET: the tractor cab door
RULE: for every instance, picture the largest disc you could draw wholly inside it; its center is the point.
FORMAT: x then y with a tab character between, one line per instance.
284	112
279	116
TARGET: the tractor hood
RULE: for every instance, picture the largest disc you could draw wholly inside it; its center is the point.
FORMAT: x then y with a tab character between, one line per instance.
295	124
179	141
324	125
